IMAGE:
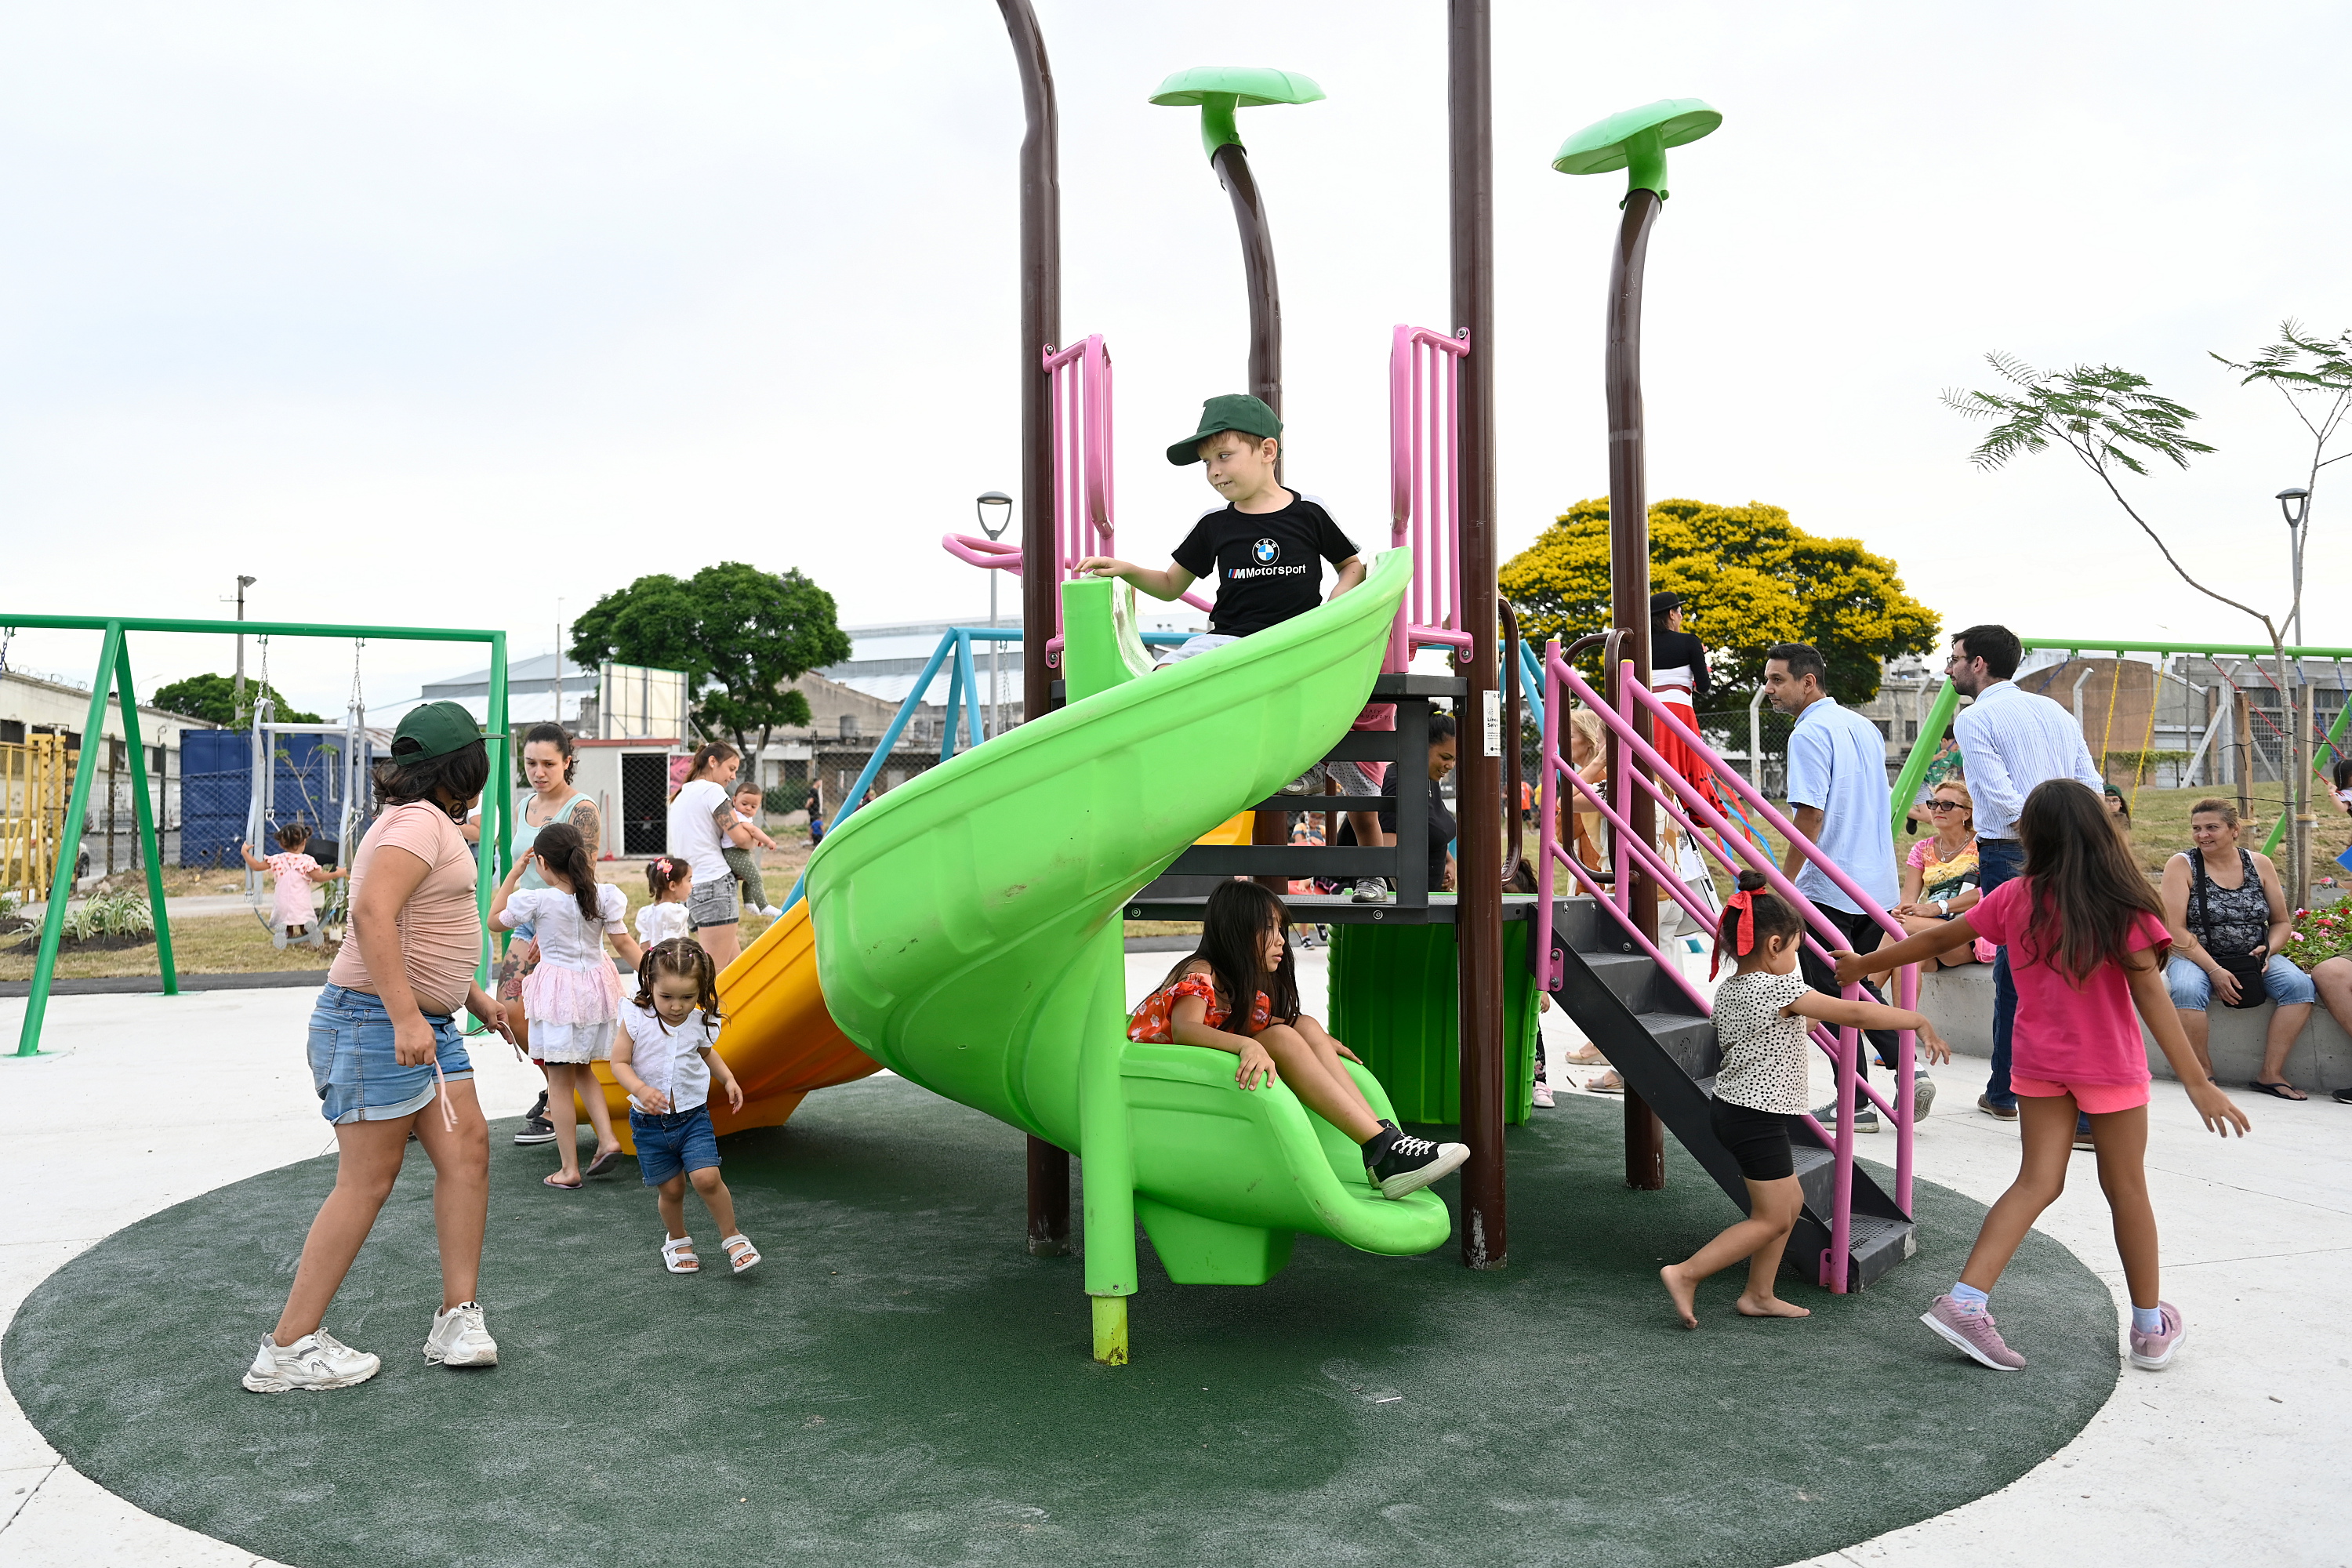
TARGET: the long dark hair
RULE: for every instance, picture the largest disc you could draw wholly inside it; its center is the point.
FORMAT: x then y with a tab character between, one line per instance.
1232	944
560	847
2084	888
401	779
681	955
559	738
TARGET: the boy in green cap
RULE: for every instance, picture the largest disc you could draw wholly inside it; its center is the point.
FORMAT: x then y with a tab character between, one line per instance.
1266	546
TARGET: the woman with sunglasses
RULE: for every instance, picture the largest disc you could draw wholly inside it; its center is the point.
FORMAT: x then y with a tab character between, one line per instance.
1939	876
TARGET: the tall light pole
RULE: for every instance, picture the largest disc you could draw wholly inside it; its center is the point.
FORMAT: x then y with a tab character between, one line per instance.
242	585
1002	512
2296	504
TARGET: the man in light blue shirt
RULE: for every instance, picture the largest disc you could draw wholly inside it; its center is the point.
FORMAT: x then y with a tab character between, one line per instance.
1840	799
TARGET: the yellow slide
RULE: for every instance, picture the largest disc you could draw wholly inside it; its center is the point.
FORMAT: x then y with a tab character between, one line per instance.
774	1033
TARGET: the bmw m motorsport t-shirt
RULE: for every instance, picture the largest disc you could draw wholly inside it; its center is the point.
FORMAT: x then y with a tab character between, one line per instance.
1268	564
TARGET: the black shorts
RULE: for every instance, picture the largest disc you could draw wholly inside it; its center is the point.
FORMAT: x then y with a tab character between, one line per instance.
1759	1141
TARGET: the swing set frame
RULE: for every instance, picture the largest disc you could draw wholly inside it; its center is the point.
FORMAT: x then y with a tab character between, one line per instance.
1948	702
114	677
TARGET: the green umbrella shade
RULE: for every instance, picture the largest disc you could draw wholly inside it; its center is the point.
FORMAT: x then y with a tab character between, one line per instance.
1218	91
1637	140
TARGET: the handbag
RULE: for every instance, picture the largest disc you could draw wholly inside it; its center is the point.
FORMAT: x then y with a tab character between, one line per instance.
2243	966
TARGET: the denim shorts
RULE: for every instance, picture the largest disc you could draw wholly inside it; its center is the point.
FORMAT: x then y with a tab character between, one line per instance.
676	1143
714	903
2282	982
352	1066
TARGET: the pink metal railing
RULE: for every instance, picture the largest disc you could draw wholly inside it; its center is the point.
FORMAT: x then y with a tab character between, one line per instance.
1634	761
1425	490
1079	398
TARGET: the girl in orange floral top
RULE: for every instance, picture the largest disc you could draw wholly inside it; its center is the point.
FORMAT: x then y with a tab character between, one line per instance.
1245	951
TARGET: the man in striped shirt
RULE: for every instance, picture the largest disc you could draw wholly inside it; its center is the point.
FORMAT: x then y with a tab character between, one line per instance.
2011	740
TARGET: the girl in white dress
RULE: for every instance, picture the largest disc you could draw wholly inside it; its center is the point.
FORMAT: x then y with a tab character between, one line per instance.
572	997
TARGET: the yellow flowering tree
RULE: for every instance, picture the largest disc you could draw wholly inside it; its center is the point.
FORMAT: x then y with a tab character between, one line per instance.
1748	578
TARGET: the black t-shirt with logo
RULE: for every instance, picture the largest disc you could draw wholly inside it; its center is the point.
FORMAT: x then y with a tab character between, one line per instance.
1268	564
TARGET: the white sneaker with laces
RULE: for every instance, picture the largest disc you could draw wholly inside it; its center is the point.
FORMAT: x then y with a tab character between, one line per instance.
313	1362
458	1338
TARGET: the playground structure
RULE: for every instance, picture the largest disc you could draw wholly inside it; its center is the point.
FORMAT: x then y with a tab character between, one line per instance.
35	775
114	675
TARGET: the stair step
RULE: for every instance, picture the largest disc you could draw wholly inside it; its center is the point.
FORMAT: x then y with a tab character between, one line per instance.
1631	977
1687	1038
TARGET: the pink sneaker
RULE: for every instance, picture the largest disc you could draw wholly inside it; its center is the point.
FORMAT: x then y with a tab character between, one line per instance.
1543	1094
1970	1329
2154	1352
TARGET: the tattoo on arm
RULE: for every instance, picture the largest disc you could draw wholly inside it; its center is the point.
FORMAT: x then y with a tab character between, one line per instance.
724	815
591	826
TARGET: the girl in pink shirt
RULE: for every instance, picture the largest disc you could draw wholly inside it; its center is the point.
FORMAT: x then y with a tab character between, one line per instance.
2087	943
291	914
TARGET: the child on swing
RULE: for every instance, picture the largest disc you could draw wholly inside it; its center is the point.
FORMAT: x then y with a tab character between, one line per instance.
2087	944
291	914
573	996
1761	1016
1244	951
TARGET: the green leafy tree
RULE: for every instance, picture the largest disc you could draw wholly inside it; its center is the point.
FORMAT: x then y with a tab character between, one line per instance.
742	637
1748	578
213	699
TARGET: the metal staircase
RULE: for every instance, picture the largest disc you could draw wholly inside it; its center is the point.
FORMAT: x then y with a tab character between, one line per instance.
1664	1048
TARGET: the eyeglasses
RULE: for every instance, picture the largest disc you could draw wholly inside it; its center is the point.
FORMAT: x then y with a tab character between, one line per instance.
1946	805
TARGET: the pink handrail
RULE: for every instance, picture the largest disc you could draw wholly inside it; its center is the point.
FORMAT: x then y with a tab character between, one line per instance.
1561	680
1425	491
1079	402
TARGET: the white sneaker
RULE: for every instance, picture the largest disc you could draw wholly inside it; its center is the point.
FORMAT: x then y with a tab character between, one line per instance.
458	1338
771	911
1370	890
314	1361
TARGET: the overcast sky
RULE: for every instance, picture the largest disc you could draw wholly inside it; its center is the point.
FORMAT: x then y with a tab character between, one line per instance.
439	314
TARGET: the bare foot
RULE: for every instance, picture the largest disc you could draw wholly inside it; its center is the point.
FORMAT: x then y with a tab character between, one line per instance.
1770	1307
1683	1291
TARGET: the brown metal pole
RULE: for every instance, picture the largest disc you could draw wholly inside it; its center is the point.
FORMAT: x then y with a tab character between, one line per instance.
1041	329
1232	164
1478	930
1628	582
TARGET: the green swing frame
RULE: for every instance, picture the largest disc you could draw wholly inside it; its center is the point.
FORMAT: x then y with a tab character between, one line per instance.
114	678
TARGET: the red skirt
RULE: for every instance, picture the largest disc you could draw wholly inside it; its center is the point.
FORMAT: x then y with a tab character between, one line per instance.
1671	746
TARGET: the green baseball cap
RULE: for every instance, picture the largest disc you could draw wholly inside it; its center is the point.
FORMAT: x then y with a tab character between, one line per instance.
1233	411
435	730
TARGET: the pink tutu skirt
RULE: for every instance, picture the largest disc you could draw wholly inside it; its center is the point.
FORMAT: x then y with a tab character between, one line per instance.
553	994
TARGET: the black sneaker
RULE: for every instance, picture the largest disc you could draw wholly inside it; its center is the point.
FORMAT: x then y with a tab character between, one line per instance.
1412	1164
536	1128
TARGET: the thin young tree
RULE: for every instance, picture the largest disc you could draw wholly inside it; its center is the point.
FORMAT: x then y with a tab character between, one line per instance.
2313	377
2115	422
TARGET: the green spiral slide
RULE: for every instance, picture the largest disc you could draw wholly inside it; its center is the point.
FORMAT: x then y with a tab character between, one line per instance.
968	932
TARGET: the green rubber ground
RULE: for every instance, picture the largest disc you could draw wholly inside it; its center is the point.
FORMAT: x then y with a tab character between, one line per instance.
897	1383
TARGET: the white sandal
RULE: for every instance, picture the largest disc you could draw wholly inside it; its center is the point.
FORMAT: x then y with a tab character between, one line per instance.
740	1251
678	1256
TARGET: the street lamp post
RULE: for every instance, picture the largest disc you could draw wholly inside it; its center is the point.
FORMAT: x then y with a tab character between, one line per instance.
2295	505
242	585
1002	505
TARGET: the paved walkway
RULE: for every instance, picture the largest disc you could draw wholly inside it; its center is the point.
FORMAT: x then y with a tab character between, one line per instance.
2236	1455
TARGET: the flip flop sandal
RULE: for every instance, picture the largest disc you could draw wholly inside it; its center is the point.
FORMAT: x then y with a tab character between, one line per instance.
2277	1091
1605	1083
603	1162
740	1251
1585	1057
559	1184
678	1256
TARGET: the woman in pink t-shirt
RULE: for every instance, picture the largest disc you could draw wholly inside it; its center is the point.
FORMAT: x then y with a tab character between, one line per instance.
2087	943
384	1046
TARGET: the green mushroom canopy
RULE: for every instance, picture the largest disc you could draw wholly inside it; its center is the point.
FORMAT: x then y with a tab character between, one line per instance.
1636	140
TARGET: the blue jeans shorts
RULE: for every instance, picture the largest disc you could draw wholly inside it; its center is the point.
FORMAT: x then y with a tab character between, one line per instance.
676	1143
2282	982
352	1066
